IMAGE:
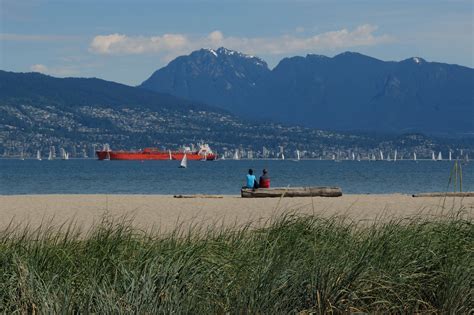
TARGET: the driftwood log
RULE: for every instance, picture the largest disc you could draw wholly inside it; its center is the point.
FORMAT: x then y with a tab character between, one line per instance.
199	196
446	194
291	192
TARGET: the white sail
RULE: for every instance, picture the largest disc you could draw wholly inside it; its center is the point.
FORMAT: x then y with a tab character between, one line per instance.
373	157
50	156
184	162
353	156
298	155
388	157
169	152
66	156
467	157
414	156
395	156
334	157
450	157
282	156
440	157
38	155
236	155
381	155
433	156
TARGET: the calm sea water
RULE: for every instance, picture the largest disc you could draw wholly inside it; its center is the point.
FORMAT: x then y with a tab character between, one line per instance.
221	177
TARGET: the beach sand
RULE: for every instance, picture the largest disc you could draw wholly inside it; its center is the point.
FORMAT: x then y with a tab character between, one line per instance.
164	212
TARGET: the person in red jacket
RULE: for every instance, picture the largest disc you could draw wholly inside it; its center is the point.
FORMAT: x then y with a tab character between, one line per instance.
264	180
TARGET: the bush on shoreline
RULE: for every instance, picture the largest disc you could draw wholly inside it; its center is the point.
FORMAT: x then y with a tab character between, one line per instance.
296	264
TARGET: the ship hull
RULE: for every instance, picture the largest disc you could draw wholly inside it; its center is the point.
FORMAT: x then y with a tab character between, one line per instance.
155	156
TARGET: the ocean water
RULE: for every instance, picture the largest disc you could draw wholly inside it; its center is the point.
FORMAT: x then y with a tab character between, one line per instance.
222	177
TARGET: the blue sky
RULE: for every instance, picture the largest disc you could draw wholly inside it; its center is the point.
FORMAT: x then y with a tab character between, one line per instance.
125	41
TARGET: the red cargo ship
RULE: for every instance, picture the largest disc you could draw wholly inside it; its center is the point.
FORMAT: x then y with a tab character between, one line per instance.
204	153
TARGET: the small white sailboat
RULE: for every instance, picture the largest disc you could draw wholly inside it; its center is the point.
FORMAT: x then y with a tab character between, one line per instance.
433	157
282	156
64	154
298	155
170	157
440	157
373	157
333	157
50	156
353	156
381	155
184	162
236	155
22	156
450	155
38	155
395	156
414	156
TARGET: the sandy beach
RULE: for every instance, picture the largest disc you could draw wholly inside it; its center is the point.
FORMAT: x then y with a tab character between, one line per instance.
164	211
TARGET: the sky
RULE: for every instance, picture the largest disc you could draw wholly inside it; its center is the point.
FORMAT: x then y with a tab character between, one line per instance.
127	40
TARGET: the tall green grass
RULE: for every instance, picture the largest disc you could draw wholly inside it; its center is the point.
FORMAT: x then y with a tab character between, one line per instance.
295	264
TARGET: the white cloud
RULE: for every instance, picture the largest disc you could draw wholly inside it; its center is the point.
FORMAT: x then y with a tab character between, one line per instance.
39	68
299	29
60	71
175	44
35	38
122	44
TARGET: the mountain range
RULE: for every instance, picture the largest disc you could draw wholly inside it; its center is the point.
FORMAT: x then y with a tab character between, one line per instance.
38	111
347	92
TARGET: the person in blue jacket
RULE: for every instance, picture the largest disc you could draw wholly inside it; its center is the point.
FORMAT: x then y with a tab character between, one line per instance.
251	180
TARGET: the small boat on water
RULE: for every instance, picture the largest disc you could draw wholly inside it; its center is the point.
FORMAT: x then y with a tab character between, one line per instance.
291	192
50	155
184	162
440	157
38	155
64	154
236	155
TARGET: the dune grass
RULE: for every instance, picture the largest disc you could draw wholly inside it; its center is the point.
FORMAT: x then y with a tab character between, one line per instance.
295	264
